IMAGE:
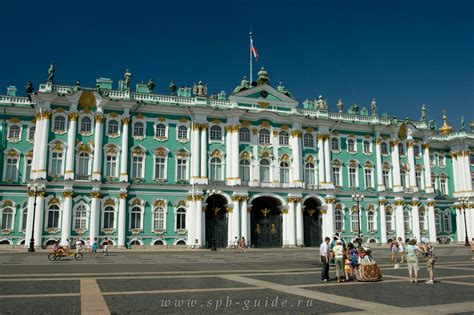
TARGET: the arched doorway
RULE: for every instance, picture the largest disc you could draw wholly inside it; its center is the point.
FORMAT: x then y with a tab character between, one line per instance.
312	223
266	222
216	222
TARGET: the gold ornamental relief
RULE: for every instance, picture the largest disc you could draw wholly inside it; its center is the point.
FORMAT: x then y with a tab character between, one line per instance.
72	116
95	194
87	100
68	194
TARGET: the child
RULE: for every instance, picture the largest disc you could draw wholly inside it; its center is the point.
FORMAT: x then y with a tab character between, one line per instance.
94	246
347	268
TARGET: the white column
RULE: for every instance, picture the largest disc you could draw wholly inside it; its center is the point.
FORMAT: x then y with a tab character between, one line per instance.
415	219
43	149
228	166
204	153
37	145
29	218
327	160
198	215
39	219
396	167
71	146
460	225
98	135
411	163
457	176
122	218
191	219
284	227
66	217
195	153
427	166
299	224
295	142
331	229
400	227
431	221
235	154
378	156
124	155
321	168
291	222
383	223
94	221
249	224
230	227
244	219
236	217
466	171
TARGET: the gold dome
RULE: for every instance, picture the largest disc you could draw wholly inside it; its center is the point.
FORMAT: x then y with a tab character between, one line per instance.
445	129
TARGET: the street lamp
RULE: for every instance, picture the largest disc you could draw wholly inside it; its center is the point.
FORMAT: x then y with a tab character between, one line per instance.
464	203
358	198
34	189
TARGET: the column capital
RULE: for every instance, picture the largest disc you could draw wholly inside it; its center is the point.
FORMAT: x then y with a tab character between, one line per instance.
410	143
399	203
72	116
383	202
125	121
296	133
425	146
68	194
330	200
99	118
415	203
45	115
123	195
232	128
395	142
95	194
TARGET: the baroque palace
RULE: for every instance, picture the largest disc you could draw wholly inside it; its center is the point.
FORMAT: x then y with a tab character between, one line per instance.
188	168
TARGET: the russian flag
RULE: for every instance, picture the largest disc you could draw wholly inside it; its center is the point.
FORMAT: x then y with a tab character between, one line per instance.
254	50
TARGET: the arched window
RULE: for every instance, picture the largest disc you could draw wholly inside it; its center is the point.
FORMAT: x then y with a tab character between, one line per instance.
335	144
109	217
336	173
355	221
443	184
80	217
215	133
386	176
160	131
180	218
351	145
31	134
160	167
438	221
309	176
138	165
182	168
135	218
182	133
56	163
111	162
159	218
86	125
368	177
11	167
59	124
447	221
83	165
113	127
407	220
216	169
264	136
7	219
244	169
284	138
14	132
422	219
416	150
403	178
366	147
284	172
24	219
264	171
353	175
338	219
389	220
244	135
401	149
371	220
384	148
418	179
138	129
308	140
53	217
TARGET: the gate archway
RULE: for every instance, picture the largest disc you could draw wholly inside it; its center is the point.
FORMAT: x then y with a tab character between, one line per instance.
216	222
312	223
266	222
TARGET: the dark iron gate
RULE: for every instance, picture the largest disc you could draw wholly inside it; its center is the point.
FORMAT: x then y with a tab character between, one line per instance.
312	228
266	228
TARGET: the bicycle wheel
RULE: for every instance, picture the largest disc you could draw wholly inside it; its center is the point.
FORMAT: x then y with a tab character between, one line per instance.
78	256
52	257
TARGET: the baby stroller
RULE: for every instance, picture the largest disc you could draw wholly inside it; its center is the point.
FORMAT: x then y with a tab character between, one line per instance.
368	270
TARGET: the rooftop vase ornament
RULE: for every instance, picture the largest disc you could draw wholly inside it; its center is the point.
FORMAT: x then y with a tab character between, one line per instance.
423	113
200	89
172	87
127	78
373	106
150	85
51	72
262	77
463	124
340	105
29	87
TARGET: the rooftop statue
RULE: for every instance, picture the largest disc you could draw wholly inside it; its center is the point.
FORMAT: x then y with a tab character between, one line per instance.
308	104
150	85
244	85
172	87
423	112
463	124
340	105
321	103
432	124
51	72
262	77
354	109
282	89
127	79
77	86
364	111
200	89
373	106
29	87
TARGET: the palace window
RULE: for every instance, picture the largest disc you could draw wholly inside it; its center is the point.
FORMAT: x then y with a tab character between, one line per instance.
407	220
56	164
433	180
366	147
388	220
471	159
404	178
401	149
24	219
137	166
351	145
59	124
284	138
308	140
309	176
113	127
139	129
135	218
447	221
353	176
264	136
80	217
159	218
215	133
284	172
371	220
416	150
111	165
339	219
264	171
182	169
160	131
83	161
422	219
386	176
335	144
160	167
28	163
86	125
442	161
368	177
53	217
31	133
432	160
355	221
244	135
216	169
244	169
384	148
109	217
14	132
182	133
180	218
438	221
11	167
7	219
443	183
336	174
418	180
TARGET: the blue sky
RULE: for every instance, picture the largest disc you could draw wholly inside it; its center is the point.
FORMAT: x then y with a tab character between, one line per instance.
404	53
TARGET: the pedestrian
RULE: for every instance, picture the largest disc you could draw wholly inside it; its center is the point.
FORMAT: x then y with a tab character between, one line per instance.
353	256
401	249
95	246
88	245
412	260
243	244
236	244
324	254
78	245
338	251
394	251
106	247
428	252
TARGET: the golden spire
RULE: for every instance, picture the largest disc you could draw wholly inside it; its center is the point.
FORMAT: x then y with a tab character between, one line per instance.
445	129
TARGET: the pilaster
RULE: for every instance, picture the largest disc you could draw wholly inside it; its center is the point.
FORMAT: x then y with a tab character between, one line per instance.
122	218
400	227
427	166
66	217
71	140
415	218
378	156
98	136
299	224
199	222
411	163
383	222
431	220
397	187
39	219
124	153
94	221
204	154
295	142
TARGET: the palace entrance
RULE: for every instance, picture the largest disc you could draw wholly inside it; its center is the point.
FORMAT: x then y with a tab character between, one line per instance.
266	222
312	223
216	222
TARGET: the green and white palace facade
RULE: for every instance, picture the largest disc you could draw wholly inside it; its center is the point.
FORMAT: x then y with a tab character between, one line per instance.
187	168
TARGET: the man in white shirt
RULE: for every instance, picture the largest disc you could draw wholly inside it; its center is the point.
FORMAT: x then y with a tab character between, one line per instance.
324	252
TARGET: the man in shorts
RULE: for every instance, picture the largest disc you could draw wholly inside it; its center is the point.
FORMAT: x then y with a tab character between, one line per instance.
430	257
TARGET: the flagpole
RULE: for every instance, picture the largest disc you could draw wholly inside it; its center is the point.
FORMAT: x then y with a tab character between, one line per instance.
250	50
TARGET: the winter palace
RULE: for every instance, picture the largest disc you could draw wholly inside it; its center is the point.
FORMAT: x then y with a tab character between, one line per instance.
184	167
